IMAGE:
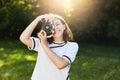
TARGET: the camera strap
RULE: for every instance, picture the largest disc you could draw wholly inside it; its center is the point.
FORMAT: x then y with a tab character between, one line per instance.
59	45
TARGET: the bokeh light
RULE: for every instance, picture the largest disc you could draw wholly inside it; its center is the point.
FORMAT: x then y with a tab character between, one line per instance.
67	6
82	12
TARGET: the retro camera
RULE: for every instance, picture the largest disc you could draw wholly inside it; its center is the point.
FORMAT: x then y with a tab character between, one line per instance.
47	26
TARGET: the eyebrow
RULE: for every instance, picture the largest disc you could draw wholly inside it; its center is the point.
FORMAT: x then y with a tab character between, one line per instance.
56	22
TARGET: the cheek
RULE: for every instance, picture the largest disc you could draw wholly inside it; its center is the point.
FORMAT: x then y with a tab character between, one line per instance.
62	27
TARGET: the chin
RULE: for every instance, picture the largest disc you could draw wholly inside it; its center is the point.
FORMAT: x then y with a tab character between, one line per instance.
57	35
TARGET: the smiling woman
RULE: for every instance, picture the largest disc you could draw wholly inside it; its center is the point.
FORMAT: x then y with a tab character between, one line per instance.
54	51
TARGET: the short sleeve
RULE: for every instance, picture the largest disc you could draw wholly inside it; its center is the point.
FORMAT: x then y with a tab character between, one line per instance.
36	46
71	51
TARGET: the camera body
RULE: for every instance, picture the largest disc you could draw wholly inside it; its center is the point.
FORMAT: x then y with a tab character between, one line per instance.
47	26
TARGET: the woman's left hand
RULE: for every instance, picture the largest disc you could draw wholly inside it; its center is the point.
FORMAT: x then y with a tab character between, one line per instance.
43	37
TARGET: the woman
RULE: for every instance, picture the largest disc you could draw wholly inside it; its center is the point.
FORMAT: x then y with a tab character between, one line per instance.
55	52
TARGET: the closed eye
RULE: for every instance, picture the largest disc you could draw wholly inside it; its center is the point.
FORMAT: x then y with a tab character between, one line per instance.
57	24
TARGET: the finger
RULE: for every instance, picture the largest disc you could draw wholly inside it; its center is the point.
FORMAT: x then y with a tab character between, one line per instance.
50	36
39	36
40	33
43	33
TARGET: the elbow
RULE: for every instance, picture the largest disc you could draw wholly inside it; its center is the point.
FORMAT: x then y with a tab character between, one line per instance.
61	67
22	39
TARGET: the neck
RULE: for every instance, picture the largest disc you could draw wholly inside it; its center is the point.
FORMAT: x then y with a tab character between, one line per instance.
57	40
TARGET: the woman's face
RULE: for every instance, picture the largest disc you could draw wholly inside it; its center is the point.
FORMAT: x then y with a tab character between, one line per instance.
59	28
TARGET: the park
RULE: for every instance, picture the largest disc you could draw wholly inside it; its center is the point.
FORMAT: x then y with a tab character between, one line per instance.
94	23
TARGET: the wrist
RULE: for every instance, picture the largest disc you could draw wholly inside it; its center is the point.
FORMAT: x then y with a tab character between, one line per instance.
39	18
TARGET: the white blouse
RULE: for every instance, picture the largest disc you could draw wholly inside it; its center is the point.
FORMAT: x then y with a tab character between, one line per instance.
45	68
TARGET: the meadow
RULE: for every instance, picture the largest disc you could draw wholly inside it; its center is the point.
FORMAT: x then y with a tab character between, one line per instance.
93	62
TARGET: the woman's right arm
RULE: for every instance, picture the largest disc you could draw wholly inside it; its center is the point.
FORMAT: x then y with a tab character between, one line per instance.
26	34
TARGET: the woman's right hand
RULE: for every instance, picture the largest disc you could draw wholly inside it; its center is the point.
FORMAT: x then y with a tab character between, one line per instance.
26	34
46	17
42	16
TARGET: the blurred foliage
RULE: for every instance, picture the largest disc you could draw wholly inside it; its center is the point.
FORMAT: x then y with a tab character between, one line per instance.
93	20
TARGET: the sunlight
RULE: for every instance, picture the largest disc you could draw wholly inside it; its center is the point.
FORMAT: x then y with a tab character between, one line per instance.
67	6
58	6
84	11
30	58
1	63
6	75
1	49
15	56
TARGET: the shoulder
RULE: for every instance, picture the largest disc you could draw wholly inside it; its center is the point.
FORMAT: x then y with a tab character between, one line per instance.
36	45
73	44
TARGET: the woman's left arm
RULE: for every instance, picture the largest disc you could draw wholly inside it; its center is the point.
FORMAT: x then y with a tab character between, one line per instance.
60	62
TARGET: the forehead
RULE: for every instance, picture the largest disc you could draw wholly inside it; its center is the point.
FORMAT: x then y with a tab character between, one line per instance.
57	21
